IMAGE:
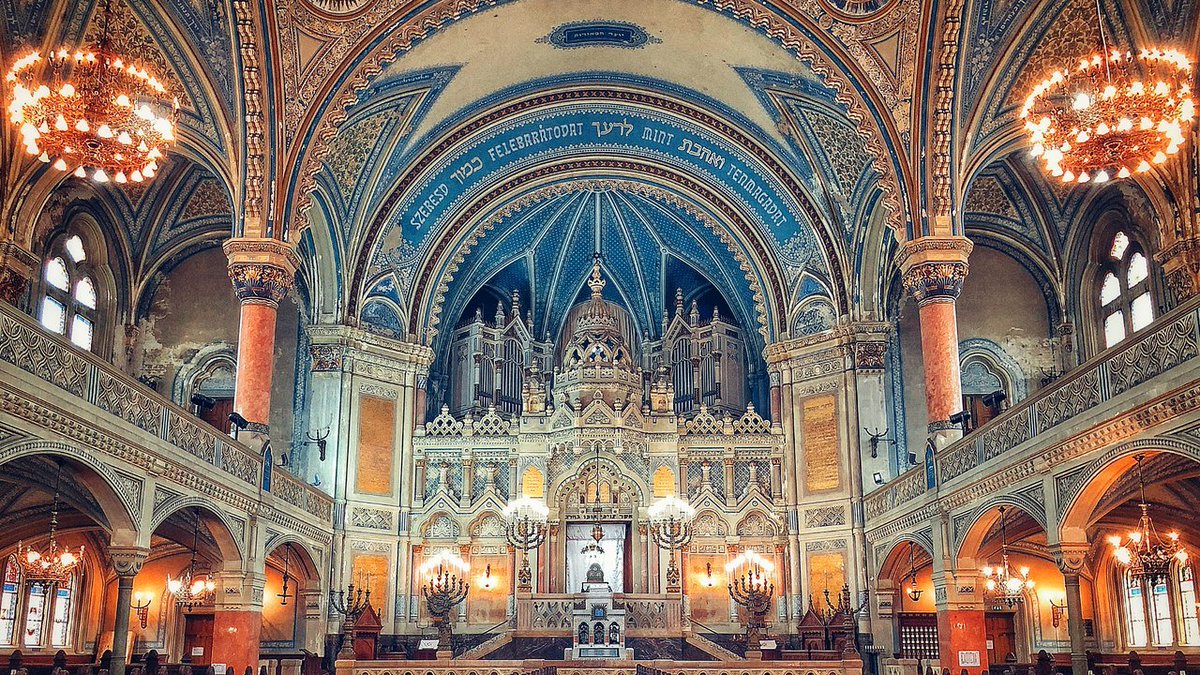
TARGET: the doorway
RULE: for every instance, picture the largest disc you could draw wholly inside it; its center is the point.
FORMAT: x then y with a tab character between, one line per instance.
1001	629
197	639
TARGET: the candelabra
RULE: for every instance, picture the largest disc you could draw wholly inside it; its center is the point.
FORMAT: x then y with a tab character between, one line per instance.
350	603
670	526
526	531
753	591
442	593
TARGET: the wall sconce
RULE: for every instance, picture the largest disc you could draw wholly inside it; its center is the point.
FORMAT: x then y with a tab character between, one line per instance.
141	605
708	581
487	582
1058	610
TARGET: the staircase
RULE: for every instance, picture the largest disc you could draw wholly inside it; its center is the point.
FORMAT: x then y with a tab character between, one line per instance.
711	648
491	644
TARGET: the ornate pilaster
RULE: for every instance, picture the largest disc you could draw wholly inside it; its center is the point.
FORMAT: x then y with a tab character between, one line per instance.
17	268
934	269
1179	223
1181	267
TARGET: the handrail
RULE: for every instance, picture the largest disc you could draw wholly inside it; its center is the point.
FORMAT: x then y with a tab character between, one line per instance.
1168	342
25	344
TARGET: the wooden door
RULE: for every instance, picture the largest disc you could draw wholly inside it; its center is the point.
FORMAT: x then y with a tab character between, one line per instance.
197	636
218	415
1001	628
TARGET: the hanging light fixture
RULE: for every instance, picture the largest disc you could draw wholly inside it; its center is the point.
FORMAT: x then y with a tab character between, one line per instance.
1145	553
91	112
1112	114
191	590
53	564
593	550
283	594
912	591
1003	583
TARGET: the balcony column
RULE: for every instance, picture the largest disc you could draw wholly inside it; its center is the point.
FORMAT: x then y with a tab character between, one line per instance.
1070	559
933	271
262	271
18	268
126	562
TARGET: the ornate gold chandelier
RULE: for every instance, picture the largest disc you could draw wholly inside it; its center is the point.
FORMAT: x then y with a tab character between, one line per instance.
191	589
1146	554
1113	114
54	564
1004	583
91	112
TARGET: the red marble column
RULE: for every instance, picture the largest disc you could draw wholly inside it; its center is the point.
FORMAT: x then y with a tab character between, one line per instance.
236	635
961	635
262	271
933	273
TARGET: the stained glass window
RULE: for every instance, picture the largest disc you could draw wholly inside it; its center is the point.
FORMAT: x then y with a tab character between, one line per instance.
1135	612
69	298
1187	602
1126	303
61	631
8	602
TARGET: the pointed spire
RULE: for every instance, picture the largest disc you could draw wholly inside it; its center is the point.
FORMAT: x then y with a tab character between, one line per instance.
500	319
716	313
596	282
678	301
516	303
694	317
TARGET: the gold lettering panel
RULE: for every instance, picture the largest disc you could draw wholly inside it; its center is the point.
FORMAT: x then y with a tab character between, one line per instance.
376	437
826	571
533	483
822	467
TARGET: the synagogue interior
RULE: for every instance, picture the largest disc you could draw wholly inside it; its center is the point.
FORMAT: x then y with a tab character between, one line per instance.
602	337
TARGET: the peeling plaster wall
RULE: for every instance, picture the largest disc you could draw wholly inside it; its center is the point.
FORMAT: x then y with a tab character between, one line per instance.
1000	302
193	308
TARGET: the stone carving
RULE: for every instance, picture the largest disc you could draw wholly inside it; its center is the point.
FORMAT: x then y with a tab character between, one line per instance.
492	424
1157	353
751	422
1072	398
755	525
371	519
1007	435
703	423
444	425
441	527
326	358
928	282
260	282
378	391
709	525
490	526
36	352
828	516
825	545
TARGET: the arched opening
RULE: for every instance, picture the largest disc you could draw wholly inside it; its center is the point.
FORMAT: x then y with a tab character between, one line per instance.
292	592
1019	582
53	497
905	584
183	581
1148	494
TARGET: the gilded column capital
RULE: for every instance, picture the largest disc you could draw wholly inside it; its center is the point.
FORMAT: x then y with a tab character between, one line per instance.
1070	558
262	270
933	268
127	560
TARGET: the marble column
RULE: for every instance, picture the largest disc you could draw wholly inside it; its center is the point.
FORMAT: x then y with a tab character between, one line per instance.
126	562
262	272
933	272
1070	559
237	621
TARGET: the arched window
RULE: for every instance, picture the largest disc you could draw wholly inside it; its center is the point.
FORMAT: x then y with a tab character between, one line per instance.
69	298
1163	613
46	611
1123	292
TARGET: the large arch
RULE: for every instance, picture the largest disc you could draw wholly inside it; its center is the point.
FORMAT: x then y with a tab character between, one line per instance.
795	32
117	494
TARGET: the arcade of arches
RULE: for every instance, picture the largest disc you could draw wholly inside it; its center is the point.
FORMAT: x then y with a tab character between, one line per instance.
477	291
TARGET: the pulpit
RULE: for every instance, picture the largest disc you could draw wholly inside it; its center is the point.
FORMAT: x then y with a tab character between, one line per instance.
366	633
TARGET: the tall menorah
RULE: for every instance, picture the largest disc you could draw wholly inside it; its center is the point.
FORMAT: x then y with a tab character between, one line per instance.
753	591
442	593
350	603
526	531
671	528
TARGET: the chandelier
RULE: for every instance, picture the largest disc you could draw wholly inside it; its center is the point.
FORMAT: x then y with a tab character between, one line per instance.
91	112
1003	583
192	590
1112	114
593	550
1146	554
913	592
52	565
